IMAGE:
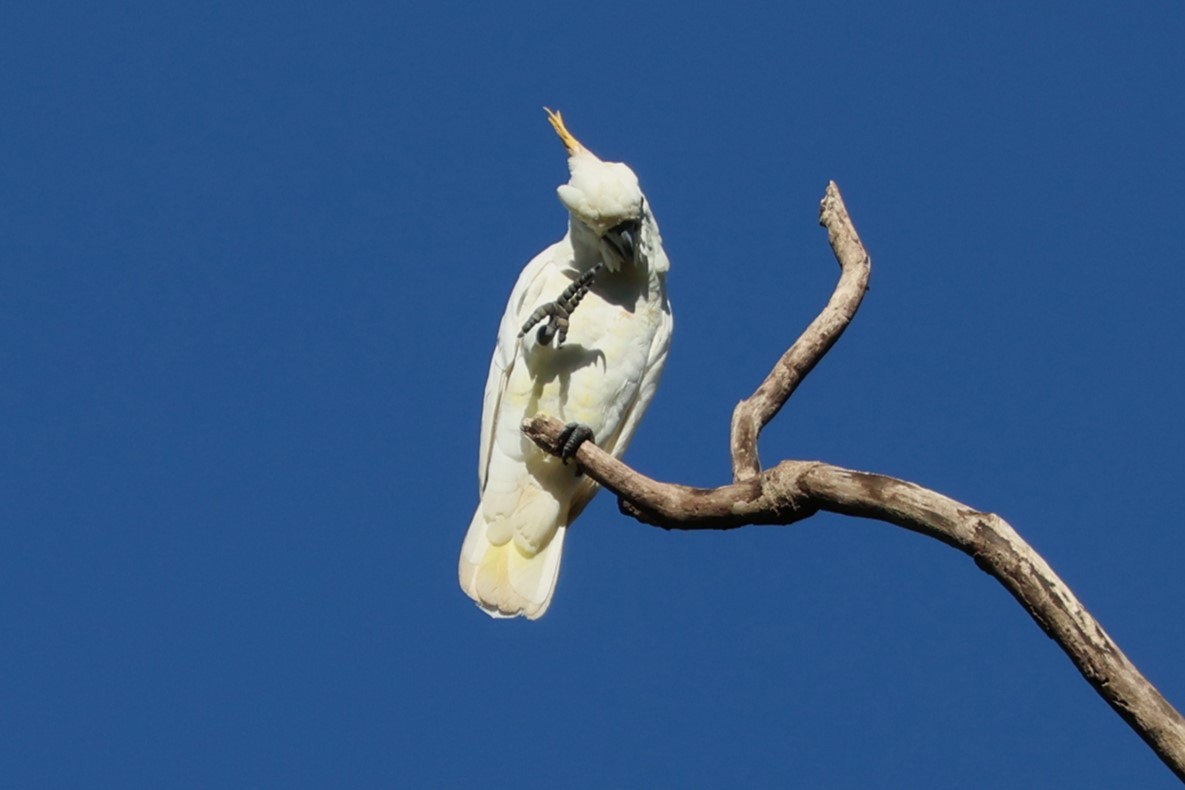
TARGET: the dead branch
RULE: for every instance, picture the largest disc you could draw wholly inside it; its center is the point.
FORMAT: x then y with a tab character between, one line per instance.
755	412
795	490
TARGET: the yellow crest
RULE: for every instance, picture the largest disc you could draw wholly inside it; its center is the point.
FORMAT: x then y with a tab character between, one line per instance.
557	122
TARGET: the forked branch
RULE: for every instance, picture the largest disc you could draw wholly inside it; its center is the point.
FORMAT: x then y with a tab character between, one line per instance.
795	490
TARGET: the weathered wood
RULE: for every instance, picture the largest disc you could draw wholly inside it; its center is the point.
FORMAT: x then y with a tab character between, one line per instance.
755	412
795	490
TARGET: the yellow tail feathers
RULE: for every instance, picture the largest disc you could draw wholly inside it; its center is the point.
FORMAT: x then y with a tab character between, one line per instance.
504	581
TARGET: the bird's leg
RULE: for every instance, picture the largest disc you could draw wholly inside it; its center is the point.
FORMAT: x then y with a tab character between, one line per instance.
573	435
559	312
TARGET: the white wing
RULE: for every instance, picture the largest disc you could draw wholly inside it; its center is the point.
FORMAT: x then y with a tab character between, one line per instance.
525	293
502	580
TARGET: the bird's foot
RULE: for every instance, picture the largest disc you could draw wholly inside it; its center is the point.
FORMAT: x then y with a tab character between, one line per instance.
559	312
573	435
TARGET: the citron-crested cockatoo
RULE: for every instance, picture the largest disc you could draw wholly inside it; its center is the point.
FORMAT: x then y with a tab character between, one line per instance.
599	297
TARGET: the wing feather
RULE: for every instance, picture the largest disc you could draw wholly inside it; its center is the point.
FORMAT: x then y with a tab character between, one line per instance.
518	307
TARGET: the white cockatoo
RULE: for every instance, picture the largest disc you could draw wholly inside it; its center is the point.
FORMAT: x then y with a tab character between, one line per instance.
601	295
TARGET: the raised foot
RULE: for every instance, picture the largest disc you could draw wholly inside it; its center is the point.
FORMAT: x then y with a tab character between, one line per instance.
559	312
573	435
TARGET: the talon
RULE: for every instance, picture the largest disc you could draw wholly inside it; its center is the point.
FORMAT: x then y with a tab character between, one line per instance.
557	320
573	435
560	311
556	326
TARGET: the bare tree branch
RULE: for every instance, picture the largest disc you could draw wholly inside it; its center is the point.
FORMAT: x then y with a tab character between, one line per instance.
795	490
753	413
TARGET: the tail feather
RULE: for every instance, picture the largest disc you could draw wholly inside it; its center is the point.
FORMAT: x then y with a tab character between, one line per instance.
505	581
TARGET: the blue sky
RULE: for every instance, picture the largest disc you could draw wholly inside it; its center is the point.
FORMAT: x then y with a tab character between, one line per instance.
254	259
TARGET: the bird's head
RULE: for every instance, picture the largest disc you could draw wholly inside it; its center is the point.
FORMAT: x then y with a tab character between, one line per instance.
606	203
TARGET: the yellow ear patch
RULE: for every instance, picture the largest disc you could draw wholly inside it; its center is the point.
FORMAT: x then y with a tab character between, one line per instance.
557	122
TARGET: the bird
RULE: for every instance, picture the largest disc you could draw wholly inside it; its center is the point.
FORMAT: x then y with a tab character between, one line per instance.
584	338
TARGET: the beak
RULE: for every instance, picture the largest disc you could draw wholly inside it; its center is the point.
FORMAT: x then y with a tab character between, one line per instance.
622	240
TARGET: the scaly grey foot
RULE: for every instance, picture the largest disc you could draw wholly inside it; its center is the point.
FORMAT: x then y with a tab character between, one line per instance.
559	312
573	435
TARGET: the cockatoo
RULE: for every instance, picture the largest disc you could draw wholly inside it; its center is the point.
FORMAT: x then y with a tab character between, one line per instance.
602	290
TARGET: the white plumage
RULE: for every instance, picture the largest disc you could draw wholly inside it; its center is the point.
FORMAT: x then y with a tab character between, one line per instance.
603	376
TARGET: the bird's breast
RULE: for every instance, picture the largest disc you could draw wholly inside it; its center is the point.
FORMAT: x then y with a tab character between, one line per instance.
594	377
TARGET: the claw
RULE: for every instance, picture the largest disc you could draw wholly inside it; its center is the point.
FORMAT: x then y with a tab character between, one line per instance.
573	435
559	312
556	327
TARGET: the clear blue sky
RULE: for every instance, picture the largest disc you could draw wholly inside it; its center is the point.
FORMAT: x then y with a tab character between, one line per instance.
254	256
